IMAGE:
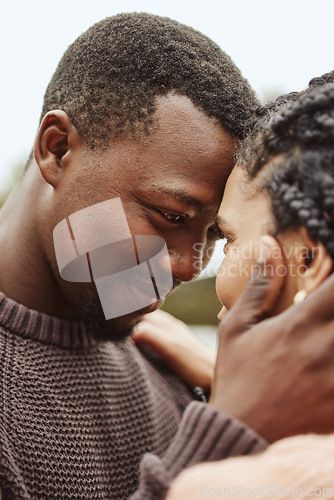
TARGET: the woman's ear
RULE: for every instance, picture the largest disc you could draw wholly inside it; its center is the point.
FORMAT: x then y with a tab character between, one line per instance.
54	139
314	263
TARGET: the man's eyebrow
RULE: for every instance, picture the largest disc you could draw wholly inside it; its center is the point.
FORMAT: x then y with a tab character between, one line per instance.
181	195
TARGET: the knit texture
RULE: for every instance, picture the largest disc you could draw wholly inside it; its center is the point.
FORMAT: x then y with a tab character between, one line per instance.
300	467
204	435
77	415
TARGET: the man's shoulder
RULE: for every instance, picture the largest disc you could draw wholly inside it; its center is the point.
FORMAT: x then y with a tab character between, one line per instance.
165	379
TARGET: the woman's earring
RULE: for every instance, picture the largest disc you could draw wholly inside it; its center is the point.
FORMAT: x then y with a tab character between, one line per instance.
300	296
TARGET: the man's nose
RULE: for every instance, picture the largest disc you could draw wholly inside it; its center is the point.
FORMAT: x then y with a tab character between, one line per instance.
186	265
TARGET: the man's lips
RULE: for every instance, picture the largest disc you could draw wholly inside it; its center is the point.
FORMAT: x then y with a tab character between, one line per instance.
134	289
139	285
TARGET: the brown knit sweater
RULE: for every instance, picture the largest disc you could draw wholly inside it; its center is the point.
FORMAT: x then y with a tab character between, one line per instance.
78	415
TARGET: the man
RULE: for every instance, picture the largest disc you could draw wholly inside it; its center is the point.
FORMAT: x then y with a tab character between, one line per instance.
142	109
148	111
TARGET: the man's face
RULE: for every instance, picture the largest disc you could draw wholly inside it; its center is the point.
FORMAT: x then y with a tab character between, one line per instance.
170	183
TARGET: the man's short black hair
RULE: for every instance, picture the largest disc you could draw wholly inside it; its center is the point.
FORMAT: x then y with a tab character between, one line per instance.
108	79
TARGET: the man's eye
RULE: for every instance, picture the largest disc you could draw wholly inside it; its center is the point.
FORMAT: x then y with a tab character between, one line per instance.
174	218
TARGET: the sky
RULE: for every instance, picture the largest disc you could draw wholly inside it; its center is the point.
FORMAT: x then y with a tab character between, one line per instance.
278	45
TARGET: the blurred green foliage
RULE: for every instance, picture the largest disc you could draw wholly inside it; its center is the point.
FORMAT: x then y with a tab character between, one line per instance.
195	303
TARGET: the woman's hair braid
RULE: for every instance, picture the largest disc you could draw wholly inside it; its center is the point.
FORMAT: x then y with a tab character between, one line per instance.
291	155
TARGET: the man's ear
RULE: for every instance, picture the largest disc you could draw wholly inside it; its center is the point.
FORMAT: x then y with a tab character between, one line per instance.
55	137
314	263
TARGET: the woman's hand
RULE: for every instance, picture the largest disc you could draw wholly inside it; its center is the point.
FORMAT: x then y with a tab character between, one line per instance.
276	374
183	352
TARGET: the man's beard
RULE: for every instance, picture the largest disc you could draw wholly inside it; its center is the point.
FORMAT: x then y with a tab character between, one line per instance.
83	300
115	330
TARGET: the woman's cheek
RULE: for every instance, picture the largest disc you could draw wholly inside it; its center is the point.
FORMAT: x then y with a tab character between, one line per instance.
228	281
234	274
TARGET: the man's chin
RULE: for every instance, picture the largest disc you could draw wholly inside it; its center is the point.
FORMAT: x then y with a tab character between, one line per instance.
115	329
84	301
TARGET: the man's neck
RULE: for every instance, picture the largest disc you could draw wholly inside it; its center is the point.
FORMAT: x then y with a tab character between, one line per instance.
25	275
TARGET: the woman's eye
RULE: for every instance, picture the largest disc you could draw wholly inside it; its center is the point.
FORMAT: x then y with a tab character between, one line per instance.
174	218
220	233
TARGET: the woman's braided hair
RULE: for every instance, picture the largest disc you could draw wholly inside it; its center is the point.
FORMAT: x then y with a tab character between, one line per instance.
291	155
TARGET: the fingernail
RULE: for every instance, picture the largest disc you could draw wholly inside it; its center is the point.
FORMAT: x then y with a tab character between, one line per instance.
265	246
259	269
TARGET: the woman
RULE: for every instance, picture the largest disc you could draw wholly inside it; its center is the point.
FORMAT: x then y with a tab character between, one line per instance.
283	188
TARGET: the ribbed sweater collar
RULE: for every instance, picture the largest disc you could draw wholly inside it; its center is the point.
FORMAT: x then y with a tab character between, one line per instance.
31	324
